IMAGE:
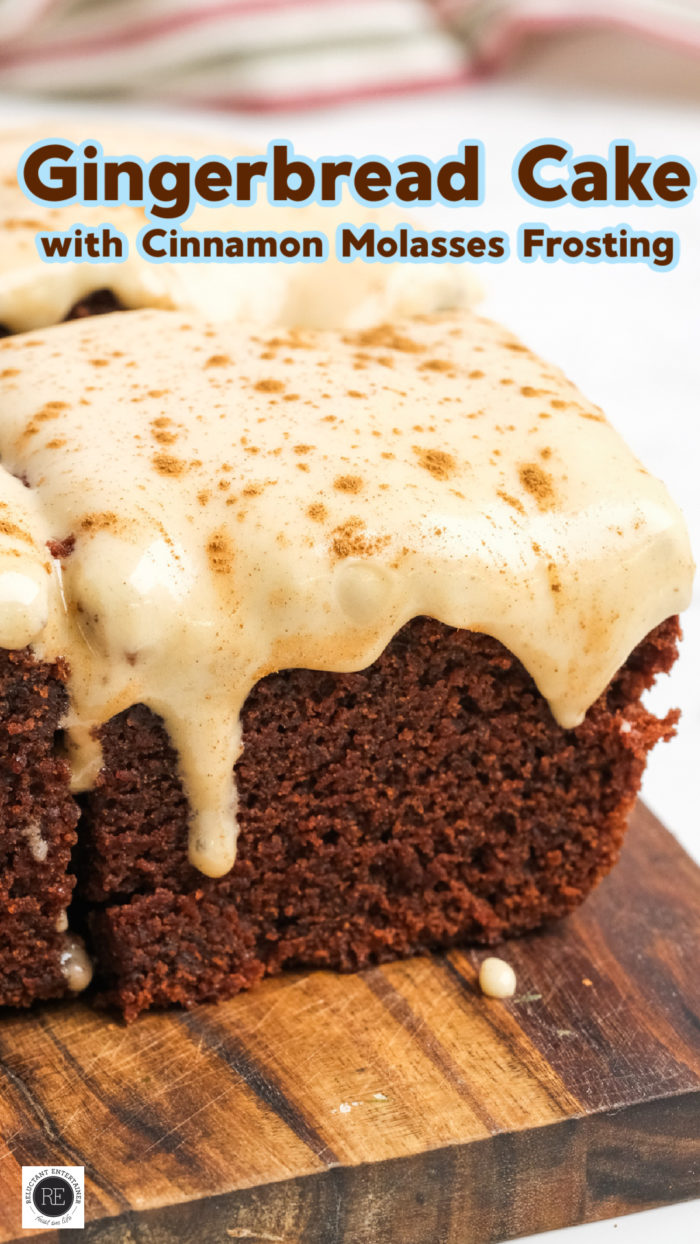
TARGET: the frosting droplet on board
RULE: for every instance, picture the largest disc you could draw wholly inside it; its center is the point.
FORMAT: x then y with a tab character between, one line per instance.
497	978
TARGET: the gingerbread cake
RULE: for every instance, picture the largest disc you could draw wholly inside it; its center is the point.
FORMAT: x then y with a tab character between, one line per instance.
329	294
318	650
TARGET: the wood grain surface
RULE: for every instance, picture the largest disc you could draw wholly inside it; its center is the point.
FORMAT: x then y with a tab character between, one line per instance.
397	1106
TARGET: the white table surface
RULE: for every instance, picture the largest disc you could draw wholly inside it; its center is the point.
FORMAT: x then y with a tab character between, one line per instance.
629	336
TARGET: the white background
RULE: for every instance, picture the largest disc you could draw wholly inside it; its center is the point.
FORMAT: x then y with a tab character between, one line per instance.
628	336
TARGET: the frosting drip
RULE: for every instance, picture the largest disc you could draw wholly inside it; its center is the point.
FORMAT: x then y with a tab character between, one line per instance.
226	505
76	965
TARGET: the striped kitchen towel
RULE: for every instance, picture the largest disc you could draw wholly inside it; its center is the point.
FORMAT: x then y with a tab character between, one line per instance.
274	54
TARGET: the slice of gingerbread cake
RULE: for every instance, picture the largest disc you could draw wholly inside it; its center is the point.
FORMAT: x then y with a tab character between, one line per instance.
328	294
343	642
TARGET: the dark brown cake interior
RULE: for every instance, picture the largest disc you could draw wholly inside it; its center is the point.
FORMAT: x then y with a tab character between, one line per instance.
428	800
37	829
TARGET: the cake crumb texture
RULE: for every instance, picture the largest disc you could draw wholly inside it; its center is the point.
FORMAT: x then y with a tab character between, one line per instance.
427	801
37	830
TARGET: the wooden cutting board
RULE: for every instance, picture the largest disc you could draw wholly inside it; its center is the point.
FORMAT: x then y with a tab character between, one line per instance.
397	1106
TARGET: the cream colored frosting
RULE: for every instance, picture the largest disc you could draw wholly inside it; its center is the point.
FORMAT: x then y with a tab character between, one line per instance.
76	964
497	978
305	295
248	503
